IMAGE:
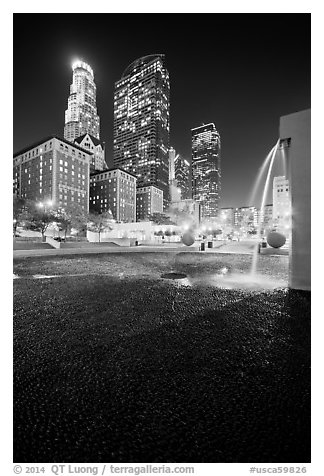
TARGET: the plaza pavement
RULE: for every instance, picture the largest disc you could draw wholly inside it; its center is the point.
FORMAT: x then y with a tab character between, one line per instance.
123	365
236	247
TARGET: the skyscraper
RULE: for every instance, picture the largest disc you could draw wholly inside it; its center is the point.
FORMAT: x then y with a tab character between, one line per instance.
179	170
81	115
206	172
141	122
182	175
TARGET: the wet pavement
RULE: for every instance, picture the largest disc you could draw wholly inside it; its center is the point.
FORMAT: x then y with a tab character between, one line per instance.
113	362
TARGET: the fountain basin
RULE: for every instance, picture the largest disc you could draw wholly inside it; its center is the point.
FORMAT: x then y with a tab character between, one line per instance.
235	280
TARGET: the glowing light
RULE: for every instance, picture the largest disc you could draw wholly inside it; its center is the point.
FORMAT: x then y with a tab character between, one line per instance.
83	65
43	204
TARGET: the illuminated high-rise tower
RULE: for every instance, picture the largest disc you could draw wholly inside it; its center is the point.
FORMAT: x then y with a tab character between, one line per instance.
182	175
141	122
81	115
206	172
179	171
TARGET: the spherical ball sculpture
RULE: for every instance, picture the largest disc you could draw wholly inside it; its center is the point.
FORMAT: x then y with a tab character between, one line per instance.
188	238
275	239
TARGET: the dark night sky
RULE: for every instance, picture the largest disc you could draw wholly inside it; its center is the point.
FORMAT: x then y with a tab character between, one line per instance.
240	71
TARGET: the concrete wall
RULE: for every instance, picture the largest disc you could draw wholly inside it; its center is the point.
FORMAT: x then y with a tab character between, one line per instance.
105	238
297	127
52	242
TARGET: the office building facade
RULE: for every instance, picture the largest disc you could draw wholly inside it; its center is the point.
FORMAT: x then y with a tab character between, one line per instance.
226	220
246	220
149	200
81	115
281	204
114	190
206	169
182	176
142	123
266	218
53	169
179	175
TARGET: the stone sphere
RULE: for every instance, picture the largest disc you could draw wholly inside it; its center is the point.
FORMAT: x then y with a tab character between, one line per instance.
275	239
188	238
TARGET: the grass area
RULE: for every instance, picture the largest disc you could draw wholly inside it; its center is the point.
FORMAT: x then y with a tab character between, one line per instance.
30	245
121	365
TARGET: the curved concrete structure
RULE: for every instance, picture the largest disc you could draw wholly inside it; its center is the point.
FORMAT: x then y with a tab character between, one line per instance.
295	135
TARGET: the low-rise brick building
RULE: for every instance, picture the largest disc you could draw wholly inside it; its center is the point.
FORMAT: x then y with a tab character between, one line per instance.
53	169
114	190
148	200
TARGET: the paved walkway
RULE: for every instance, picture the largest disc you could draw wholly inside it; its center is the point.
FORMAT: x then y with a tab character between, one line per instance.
226	248
101	250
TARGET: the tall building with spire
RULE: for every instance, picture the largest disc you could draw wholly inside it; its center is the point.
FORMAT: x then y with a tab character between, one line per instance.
142	123
81	115
206	169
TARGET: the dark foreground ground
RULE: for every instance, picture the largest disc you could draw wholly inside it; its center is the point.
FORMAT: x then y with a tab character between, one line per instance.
120	365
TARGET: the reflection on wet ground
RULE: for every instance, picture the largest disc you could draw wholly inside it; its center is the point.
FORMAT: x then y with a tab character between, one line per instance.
256	282
113	362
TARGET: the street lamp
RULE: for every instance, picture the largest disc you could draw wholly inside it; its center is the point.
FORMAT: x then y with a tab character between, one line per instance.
44	219
48	203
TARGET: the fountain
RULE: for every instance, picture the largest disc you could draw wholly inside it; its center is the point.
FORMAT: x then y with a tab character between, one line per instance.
260	175
225	278
294	152
272	154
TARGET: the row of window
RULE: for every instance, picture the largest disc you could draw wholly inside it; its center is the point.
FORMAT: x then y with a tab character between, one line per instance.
32	153
112	174
66	149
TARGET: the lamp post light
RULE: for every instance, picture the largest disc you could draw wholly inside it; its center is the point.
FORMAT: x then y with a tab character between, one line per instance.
44	219
48	203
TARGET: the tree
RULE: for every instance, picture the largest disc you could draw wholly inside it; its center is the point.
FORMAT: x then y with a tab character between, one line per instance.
79	218
19	212
100	222
63	219
183	216
69	217
160	219
39	217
